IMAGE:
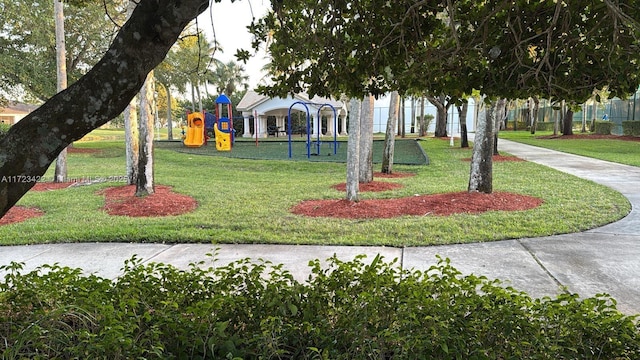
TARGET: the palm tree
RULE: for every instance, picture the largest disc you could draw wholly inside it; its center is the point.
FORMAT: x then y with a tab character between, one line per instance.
227	78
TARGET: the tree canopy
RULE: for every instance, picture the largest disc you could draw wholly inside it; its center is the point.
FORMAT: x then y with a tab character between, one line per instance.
511	49
27	40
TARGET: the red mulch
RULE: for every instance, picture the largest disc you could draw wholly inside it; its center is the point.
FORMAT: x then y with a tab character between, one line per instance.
121	200
118	201
19	214
421	205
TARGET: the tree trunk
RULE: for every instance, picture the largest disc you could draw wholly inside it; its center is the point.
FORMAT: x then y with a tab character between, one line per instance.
145	180
534	110
441	115
583	128
462	116
61	66
131	137
389	140
131	140
412	130
500	114
421	123
32	144
353	150
481	174
567	122
402	120
169	114
366	140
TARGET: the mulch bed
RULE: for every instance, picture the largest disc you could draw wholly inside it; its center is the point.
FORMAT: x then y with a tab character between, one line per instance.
121	201
420	205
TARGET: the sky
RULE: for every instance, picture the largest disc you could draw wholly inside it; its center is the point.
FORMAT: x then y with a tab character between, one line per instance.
230	21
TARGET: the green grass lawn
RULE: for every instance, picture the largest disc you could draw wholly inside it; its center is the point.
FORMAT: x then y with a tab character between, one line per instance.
615	150
248	201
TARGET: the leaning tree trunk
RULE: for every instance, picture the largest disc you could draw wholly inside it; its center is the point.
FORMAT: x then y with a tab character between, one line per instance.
366	140
32	144
389	140
481	174
353	150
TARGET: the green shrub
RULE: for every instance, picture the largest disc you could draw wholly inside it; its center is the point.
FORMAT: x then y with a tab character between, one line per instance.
603	127
347	310
3	129
545	126
521	125
631	128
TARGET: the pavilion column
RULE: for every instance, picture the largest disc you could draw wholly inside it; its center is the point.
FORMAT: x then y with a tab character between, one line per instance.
247	123
262	126
331	122
316	126
343	121
280	122
313	125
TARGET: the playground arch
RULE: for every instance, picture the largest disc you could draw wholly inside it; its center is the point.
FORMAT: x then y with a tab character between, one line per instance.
256	109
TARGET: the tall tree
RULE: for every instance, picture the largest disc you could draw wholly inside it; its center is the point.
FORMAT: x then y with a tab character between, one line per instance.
228	77
389	139
131	129
353	150
27	40
481	173
60	173
145	179
365	163
131	139
442	105
32	144
462	116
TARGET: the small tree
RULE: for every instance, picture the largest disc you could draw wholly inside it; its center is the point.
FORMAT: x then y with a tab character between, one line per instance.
389	139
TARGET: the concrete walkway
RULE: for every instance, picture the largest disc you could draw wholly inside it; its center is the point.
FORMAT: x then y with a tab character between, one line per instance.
602	260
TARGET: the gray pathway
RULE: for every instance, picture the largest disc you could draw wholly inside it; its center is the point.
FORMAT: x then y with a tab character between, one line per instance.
606	259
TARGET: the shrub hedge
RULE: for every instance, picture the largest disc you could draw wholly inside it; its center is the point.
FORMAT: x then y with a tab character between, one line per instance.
631	128
345	310
603	127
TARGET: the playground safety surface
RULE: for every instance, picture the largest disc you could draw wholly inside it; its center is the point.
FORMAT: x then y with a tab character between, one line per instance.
406	151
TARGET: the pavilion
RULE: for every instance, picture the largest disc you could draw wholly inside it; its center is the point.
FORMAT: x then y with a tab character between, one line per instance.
260	107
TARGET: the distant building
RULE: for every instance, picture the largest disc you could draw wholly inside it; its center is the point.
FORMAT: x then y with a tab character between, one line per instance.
269	115
14	112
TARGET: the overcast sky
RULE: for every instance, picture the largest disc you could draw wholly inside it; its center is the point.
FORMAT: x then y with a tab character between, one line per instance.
230	21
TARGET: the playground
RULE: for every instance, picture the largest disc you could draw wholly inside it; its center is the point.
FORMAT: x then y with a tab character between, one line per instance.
407	151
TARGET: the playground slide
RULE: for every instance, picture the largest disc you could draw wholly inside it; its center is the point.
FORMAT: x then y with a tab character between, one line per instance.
195	136
223	133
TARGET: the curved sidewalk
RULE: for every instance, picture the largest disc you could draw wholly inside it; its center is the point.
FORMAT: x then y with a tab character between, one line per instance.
602	260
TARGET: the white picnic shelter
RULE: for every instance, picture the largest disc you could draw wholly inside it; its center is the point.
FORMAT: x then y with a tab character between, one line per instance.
258	108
